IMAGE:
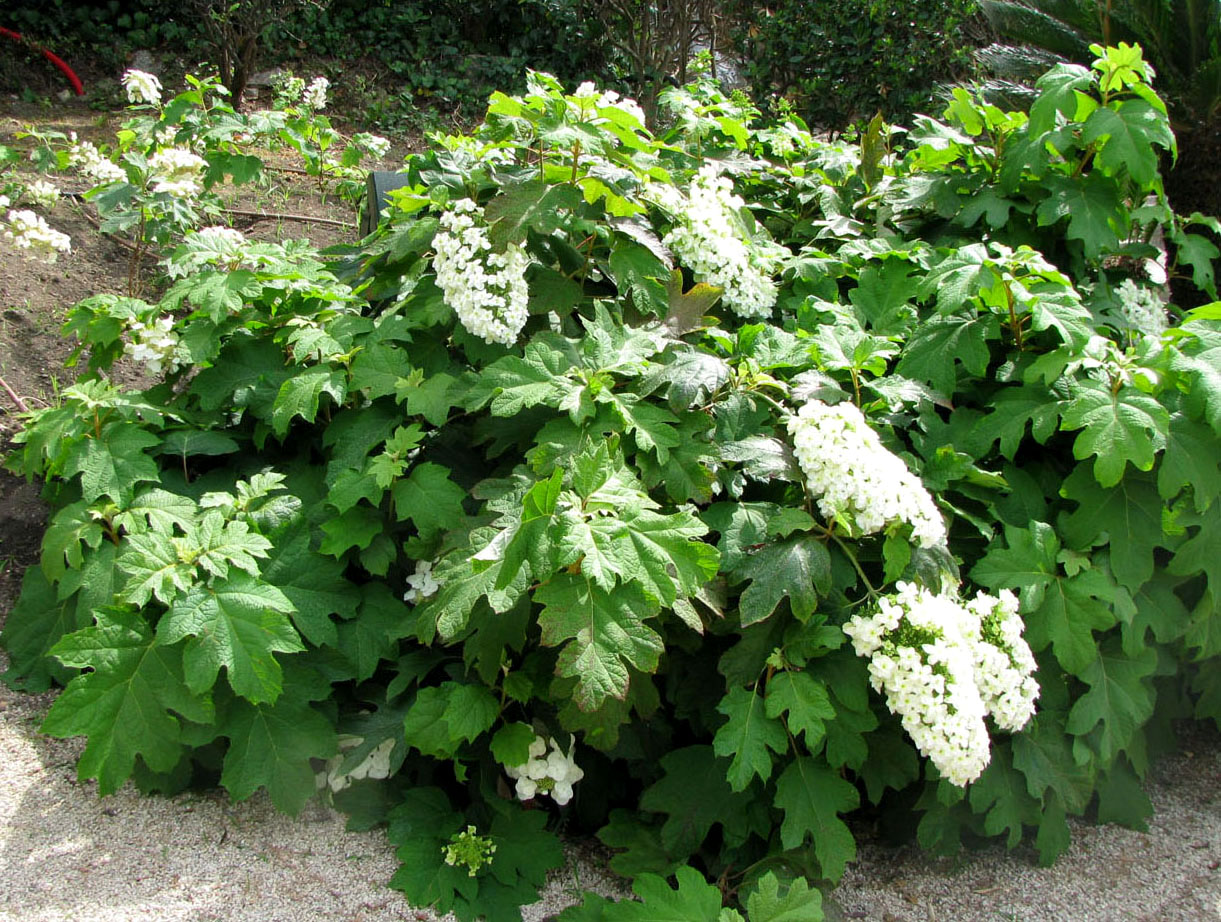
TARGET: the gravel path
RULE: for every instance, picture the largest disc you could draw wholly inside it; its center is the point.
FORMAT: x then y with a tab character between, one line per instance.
67	855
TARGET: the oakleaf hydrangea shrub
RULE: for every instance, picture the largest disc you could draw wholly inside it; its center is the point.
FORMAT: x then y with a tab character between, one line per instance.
929	534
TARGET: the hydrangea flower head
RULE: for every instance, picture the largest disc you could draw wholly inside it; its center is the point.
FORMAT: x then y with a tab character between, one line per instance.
176	171
42	193
142	87
155	345
1141	309
944	666
856	479
708	236
486	289
314	97
89	160
423	584
31	234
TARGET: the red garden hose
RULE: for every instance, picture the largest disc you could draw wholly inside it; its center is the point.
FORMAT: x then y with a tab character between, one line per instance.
50	56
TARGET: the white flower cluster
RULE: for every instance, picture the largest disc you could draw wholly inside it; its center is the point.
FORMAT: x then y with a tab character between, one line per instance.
32	234
552	773
89	160
933	658
423	584
854	476
1004	665
42	193
588	96
375	144
176	170
142	87
375	765
314	97
1142	310
155	345
486	290
708	237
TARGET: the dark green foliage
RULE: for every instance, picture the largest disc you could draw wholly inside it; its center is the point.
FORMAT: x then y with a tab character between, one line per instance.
839	63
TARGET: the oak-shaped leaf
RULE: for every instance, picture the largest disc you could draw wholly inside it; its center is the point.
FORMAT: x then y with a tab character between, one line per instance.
124	703
239	623
270	746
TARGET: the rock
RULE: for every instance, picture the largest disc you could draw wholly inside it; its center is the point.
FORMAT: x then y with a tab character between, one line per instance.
143	60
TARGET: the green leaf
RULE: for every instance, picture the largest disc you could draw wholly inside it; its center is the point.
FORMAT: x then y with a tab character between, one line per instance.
692	900
357	527
804	698
800	903
1009	414
663	553
1042	752
799	569
369	637
112	464
812	796
1118	428
510	744
33	626
883	296
430	500
532	205
694	796
747	737
239	623
1120	699
301	395
313	583
378	369
155	568
927	352
270	746
123	704
469	711
1000	794
158	510
433	397
1189	461
685	310
1127	516
1128	133
1094	207
1122	798
604	632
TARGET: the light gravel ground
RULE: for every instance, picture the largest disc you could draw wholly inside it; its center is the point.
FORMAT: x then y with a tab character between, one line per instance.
67	855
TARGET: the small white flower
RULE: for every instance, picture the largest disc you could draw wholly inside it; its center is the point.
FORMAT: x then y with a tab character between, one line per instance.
551	772
1141	309
423	584
142	87
375	144
89	160
155	345
314	97
42	193
30	233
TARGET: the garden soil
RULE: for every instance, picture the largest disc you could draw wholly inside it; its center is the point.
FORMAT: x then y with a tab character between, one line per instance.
66	854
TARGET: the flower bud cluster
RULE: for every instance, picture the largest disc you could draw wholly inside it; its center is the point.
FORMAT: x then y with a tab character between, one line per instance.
1141	309
710	239
375	765
487	290
470	850
314	97
32	234
856	479
142	87
552	773
89	160
423	584
155	345
933	658
177	171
